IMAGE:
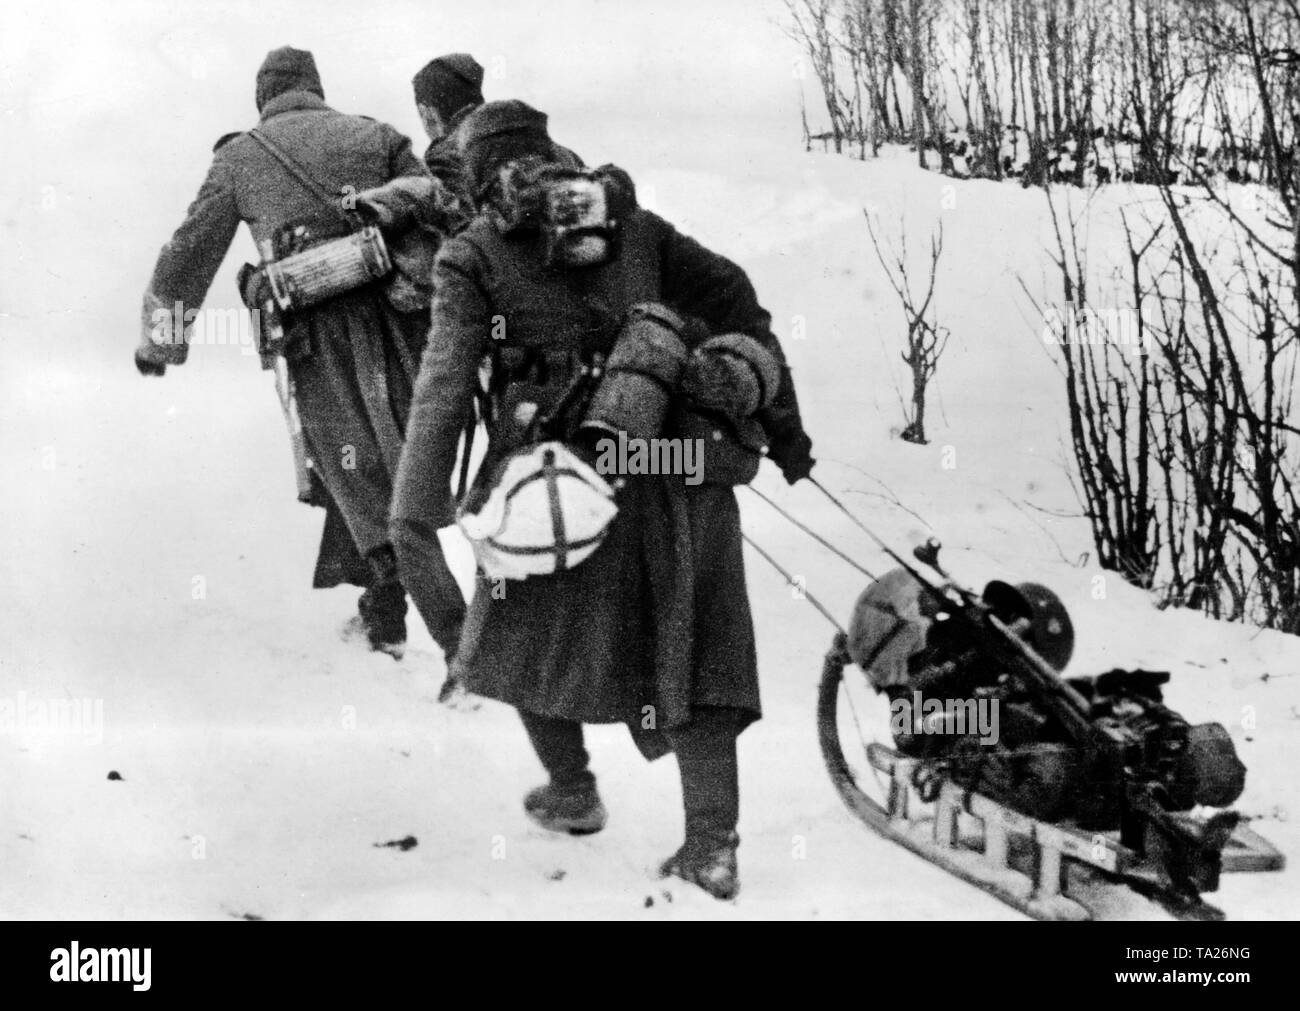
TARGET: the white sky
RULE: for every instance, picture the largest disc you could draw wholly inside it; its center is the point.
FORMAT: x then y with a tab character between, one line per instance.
680	64
109	110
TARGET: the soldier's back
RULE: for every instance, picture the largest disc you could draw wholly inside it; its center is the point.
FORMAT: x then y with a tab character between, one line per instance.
344	154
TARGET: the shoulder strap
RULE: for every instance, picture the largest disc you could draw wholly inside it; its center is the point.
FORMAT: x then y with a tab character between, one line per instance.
471	427
303	178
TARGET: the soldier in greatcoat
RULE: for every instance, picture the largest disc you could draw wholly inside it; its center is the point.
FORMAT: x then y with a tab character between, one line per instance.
352	359
653	630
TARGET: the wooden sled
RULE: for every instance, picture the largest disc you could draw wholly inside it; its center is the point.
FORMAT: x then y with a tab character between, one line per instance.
1050	871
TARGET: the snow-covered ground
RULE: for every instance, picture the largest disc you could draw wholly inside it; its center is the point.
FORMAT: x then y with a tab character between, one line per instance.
158	569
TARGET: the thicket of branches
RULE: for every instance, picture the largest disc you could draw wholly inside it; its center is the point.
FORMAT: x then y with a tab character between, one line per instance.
1181	380
1056	90
1182	413
1183	422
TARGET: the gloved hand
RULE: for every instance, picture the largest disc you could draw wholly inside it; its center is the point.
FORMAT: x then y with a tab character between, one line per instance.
254	288
376	212
158	346
794	456
152	359
798	469
146	363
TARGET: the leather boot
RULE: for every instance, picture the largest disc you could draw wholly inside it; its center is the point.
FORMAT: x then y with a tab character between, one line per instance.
577	810
569	802
383	604
711	866
706	759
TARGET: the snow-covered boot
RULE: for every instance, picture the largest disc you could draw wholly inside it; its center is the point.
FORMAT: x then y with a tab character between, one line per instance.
453	694
710	865
451	690
575	809
383	605
706	759
569	803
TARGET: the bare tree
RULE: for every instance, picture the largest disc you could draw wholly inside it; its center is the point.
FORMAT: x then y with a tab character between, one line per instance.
810	25
926	339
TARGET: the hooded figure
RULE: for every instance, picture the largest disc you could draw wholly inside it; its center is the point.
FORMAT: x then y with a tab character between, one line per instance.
653	630
351	359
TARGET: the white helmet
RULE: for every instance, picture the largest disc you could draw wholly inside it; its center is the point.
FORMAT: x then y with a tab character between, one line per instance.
547	512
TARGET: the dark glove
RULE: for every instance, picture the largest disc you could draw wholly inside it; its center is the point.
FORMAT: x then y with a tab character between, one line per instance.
798	469
159	346
152	359
794	456
254	288
146	365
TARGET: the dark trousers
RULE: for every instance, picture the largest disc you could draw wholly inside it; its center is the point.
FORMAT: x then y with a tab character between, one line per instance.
706	761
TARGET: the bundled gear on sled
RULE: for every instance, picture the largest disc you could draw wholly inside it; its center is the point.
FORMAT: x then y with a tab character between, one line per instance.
1068	797
915	653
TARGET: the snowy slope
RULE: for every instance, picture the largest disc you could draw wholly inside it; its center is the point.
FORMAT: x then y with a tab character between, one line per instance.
264	762
158	565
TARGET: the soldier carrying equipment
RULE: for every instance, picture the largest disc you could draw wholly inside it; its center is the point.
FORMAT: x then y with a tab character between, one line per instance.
591	311
349	337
